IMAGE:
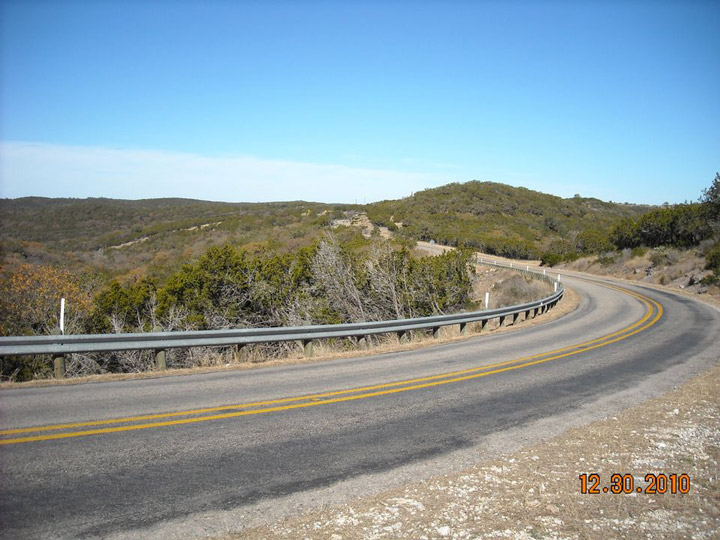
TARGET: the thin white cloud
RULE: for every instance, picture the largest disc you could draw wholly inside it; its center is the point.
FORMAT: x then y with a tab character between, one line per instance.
49	170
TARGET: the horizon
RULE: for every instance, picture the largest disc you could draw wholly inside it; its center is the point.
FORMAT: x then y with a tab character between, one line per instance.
358	102
332	203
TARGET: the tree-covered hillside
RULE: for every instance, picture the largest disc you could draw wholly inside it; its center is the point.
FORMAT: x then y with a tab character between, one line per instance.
149	236
684	226
503	220
135	239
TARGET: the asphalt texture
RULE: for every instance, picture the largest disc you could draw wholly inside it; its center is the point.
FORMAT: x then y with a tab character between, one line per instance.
129	484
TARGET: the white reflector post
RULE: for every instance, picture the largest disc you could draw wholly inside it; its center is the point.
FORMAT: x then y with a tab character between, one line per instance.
62	316
487	300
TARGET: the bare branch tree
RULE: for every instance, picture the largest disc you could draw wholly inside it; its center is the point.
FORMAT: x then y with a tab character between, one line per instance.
338	281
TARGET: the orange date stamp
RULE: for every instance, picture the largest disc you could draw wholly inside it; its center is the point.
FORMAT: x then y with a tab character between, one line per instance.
655	484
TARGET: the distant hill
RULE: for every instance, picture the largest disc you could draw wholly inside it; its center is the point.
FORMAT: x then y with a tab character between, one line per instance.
118	236
154	236
501	219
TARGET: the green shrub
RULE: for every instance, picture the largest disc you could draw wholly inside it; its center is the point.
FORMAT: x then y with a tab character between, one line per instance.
658	257
638	251
550	259
572	256
712	259
606	259
682	225
592	241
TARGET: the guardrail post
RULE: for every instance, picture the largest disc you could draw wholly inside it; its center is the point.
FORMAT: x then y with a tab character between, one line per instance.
535	312
436	332
483	324
527	315
308	347
160	360
463	329
58	359
515	318
160	357
502	321
59	366
240	352
401	336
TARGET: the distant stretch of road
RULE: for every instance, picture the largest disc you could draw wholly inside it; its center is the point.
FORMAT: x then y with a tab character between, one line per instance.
121	459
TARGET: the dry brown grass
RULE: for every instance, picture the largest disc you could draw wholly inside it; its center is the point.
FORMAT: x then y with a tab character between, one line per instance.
669	268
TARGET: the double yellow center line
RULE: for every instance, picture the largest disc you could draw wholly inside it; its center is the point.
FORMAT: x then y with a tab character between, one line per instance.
130	423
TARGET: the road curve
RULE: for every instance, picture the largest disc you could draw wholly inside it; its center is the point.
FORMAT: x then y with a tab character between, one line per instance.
121	459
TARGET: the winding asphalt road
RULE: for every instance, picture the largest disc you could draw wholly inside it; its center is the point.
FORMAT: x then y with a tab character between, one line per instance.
124	459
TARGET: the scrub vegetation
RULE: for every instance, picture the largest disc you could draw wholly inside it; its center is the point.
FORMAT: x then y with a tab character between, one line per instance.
176	264
502	220
134	239
342	277
675	245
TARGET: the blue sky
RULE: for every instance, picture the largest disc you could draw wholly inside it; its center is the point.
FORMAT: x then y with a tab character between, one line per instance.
358	101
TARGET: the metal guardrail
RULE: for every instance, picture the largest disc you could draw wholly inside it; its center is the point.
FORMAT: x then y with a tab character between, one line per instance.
59	345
